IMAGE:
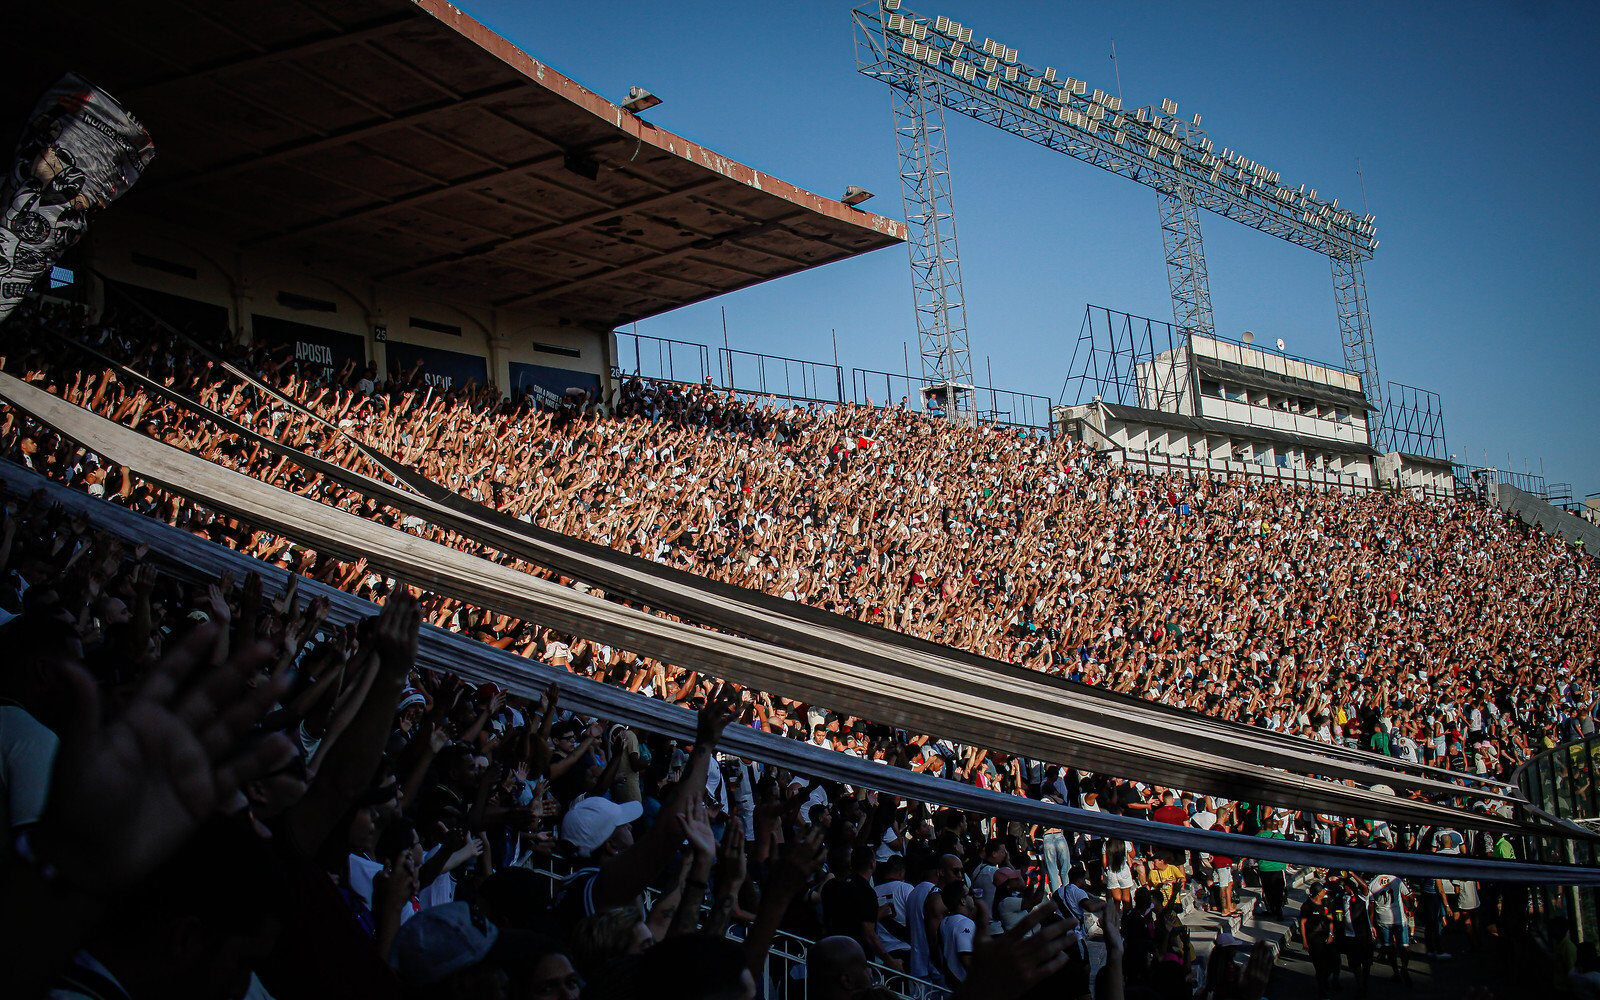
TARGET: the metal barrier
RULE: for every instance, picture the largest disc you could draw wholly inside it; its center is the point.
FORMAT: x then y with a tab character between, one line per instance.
660	359
753	376
786	959
887	390
1563	781
1479	478
1008	408
762	375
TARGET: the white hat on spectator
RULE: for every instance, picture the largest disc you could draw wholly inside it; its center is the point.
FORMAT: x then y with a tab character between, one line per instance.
411	696
592	821
439	941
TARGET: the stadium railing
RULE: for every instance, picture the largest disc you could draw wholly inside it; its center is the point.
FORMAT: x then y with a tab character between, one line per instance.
754	377
1565	780
786	959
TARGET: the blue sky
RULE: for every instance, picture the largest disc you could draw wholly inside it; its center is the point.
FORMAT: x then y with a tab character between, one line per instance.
1475	124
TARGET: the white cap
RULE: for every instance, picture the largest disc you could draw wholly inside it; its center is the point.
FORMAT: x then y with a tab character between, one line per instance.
591	822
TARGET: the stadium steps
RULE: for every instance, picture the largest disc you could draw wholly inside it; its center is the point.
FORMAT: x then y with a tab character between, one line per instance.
1547	517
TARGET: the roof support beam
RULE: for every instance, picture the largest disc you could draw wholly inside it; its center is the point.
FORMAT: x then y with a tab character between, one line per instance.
354	133
412	200
544	233
300	47
642	263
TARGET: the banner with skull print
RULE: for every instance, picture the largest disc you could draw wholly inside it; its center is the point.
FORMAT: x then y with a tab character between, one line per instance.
79	152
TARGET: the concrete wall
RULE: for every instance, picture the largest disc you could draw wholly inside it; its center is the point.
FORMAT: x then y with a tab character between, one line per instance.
1351	431
1279	364
1403	472
1165	449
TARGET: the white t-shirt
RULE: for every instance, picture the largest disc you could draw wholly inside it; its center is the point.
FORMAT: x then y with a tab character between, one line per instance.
896	894
921	963
955	935
886	848
27	755
983	883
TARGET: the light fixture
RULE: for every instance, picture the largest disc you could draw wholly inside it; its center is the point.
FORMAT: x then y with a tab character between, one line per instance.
639	100
854	195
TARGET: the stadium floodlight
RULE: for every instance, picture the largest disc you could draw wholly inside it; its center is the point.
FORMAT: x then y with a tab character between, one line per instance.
891	4
854	195
1169	106
639	100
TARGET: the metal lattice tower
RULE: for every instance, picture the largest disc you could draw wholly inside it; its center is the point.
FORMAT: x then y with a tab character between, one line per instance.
931	240
1149	145
1355	333
1186	263
1413	422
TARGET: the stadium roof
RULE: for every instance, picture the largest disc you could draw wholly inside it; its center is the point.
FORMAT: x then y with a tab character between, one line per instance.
407	143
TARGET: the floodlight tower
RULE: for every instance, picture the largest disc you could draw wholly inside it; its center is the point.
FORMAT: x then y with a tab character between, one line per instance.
1153	147
931	239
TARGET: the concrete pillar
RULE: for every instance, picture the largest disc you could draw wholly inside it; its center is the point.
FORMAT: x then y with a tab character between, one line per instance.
244	305
500	358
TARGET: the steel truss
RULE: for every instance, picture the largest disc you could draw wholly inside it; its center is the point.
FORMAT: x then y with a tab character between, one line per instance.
1413	422
1152	147
1355	332
1186	264
1131	361
931	240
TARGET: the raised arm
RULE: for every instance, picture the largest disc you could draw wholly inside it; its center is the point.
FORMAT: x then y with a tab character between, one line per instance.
350	765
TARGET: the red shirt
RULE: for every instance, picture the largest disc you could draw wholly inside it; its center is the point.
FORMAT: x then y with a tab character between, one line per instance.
1176	815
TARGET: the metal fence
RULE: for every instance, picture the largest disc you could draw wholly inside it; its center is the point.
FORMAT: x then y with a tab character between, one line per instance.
1563	781
663	360
749	373
1477	478
756	376
785	977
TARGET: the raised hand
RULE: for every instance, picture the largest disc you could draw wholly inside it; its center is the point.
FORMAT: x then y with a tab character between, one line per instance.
696	828
128	792
798	861
396	633
730	859
722	709
217	604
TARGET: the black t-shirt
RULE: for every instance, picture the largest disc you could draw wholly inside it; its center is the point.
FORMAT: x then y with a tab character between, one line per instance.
847	904
1318	919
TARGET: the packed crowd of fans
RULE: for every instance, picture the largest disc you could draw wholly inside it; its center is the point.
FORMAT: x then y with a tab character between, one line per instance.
400	808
